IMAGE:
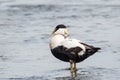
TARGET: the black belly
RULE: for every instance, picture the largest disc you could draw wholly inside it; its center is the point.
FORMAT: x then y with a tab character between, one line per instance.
65	54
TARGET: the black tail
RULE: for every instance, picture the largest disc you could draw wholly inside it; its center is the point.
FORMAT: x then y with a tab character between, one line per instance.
89	52
92	50
95	49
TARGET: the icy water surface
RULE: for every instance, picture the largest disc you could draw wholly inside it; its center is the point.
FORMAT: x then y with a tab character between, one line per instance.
25	28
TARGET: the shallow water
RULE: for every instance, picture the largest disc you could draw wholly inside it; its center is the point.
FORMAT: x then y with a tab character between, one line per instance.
25	28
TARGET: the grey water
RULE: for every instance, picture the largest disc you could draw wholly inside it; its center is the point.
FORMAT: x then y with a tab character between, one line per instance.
25	28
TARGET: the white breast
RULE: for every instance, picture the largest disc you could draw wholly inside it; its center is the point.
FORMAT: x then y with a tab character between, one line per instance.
56	40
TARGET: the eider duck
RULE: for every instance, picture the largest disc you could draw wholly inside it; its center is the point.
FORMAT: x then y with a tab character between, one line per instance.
69	50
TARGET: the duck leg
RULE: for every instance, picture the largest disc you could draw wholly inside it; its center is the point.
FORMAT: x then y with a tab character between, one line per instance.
73	68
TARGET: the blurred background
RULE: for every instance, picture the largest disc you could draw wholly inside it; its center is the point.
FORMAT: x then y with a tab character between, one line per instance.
25	28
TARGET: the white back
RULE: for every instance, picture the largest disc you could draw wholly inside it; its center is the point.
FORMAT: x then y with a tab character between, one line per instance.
70	43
